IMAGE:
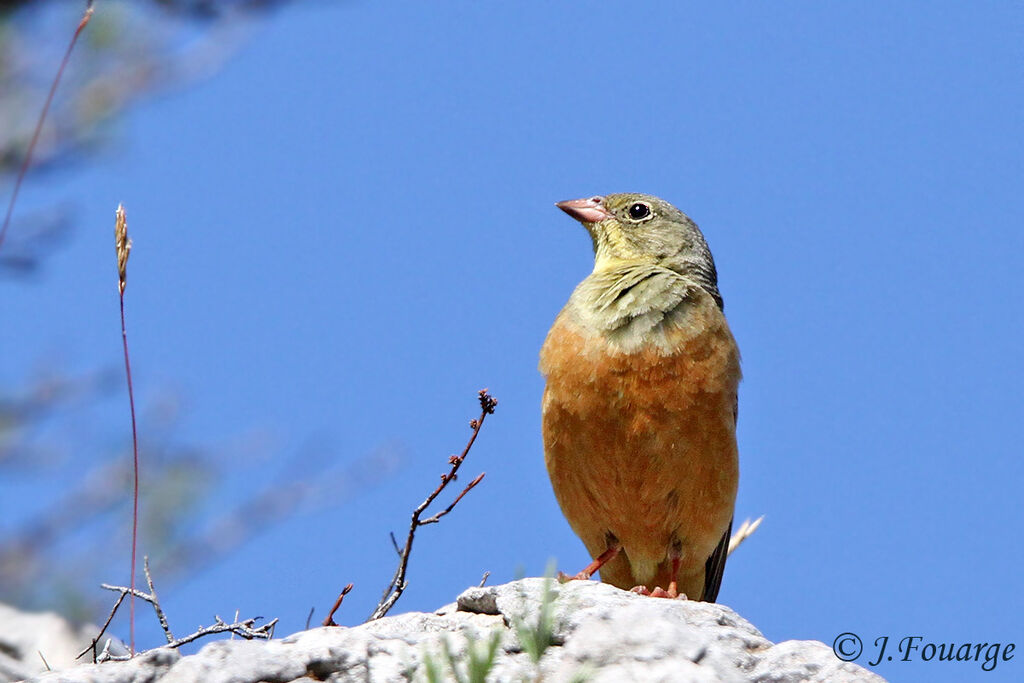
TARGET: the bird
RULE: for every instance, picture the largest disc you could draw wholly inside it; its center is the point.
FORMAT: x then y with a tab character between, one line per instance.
640	402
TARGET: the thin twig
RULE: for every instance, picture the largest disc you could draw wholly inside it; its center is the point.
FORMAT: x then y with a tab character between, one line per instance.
105	654
483	579
156	603
436	518
245	628
329	619
42	118
309	617
103	629
45	663
745	531
123	245
398	582
124	592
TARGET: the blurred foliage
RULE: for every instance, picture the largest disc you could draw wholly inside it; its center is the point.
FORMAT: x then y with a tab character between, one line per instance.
50	549
36	233
57	547
129	51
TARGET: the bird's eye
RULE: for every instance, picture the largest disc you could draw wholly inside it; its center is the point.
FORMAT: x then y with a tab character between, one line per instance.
639	211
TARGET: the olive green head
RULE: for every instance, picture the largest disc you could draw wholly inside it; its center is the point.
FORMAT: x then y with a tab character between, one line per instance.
633	228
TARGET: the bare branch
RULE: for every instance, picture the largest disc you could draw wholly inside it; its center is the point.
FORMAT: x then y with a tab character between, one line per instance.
398	582
436	518
105	654
156	603
245	628
103	629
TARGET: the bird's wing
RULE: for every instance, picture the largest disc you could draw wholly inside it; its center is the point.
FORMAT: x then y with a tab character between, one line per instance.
714	567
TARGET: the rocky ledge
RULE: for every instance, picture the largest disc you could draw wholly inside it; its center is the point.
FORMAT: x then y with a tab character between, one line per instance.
592	632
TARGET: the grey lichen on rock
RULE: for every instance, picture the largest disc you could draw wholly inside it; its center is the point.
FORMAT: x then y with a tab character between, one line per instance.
597	633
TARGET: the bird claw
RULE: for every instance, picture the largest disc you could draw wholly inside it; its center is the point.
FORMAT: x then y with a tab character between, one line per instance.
562	577
659	592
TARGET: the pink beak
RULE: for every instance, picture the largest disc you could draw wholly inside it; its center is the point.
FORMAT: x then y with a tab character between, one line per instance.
590	210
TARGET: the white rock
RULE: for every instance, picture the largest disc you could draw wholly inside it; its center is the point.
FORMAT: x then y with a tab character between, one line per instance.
27	638
598	631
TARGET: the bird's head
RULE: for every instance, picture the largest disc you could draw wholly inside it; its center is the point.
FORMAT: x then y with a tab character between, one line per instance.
638	228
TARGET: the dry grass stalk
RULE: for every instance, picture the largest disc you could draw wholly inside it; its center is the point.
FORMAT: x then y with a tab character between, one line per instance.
123	244
124	247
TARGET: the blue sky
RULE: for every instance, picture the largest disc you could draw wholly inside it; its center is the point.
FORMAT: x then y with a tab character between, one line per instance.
350	230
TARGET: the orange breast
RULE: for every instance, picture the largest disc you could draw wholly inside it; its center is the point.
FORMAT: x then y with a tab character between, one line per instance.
642	445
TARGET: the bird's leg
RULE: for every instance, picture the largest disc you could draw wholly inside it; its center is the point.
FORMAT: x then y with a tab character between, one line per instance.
614	547
673	586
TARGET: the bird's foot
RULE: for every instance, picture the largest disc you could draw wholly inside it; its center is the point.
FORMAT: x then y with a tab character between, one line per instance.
672	593
613	549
